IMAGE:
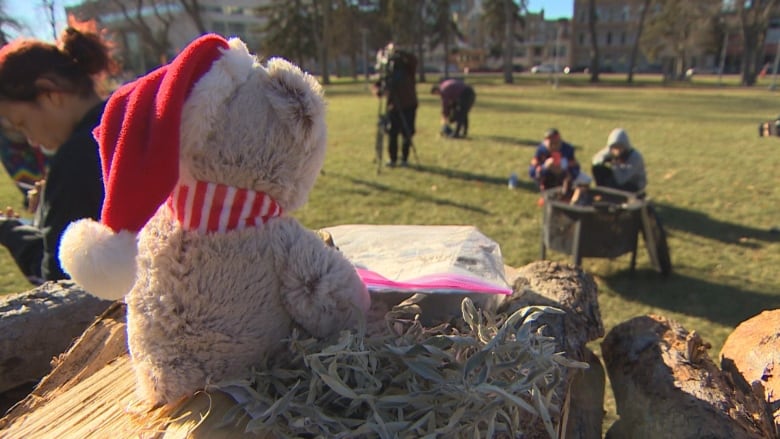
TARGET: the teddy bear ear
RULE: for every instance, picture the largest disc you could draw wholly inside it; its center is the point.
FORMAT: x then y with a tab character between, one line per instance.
297	98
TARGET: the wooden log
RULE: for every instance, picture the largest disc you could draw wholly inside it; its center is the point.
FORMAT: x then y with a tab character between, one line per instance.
666	385
570	289
38	325
91	391
751	354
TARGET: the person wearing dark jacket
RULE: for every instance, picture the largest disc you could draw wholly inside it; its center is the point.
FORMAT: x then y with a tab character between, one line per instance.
48	94
457	98
399	87
553	163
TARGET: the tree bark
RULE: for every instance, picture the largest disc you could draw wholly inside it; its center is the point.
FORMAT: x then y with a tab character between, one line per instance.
594	44
572	290
665	385
635	47
38	325
508	42
751	355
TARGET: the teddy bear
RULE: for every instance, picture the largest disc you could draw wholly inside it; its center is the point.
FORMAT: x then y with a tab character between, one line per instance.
203	160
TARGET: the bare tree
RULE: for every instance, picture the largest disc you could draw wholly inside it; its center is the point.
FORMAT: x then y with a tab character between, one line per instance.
594	44
754	21
635	48
7	22
442	29
322	39
288	32
152	29
502	19
192	8
677	31
48	5
347	38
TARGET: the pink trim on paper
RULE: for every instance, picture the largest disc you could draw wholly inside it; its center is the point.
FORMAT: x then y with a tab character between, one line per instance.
442	282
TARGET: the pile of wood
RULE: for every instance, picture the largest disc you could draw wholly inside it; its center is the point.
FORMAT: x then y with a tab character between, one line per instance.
663	380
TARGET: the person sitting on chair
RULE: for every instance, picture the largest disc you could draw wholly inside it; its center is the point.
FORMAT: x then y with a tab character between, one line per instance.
619	165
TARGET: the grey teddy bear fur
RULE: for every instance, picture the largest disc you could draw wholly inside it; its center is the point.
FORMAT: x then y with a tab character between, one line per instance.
207	307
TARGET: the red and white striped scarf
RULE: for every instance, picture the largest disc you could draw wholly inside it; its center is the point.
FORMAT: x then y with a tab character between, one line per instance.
214	207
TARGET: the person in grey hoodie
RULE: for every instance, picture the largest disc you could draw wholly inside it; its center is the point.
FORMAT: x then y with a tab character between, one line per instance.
619	165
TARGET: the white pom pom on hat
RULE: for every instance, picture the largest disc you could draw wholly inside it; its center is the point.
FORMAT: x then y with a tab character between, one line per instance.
138	138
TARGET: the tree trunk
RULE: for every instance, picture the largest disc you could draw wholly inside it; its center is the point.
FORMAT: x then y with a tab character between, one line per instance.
508	42
635	47
573	291
751	355
38	325
665	385
91	388
192	7
594	44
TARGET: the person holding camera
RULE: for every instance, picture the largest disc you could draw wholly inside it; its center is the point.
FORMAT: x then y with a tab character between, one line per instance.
47	92
553	163
397	83
457	98
619	165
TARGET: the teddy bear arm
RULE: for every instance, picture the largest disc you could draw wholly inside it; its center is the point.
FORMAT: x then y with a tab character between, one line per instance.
321	289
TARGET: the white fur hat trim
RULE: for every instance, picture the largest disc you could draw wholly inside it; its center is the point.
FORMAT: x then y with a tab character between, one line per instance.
101	261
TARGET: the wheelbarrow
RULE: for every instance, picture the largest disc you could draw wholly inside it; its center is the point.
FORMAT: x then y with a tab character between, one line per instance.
607	227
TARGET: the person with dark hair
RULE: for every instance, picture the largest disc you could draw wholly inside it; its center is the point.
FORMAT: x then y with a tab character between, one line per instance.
457	98
397	83
619	165
48	93
553	163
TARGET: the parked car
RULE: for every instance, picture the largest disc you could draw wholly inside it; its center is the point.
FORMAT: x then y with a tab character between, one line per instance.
545	68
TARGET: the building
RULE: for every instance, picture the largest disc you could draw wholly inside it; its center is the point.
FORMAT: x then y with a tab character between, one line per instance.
616	34
545	42
150	35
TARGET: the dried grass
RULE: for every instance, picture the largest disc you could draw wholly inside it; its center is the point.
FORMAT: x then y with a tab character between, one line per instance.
484	376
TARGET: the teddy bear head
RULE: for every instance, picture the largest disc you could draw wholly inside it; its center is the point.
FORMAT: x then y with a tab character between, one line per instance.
262	128
214	117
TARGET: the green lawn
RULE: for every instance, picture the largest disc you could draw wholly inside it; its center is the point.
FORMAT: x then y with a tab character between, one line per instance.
713	180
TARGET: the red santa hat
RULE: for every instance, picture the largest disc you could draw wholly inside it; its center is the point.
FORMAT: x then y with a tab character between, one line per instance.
139	137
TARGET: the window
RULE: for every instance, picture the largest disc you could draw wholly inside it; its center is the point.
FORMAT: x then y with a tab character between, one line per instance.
238	29
219	27
609	38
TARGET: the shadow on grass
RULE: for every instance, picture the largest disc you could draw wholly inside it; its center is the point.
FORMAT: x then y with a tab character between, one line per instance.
725	304
510	141
698	223
379	187
470	176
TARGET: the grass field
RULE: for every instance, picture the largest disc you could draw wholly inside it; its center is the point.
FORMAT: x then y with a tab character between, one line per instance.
713	180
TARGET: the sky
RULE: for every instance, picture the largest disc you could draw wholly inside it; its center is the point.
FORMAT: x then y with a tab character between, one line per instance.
552	8
34	17
36	21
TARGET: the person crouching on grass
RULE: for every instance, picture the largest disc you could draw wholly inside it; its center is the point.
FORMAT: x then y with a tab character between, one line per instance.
619	165
553	163
457	98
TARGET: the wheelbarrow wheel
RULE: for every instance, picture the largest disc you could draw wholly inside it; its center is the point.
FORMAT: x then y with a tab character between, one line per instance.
655	239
